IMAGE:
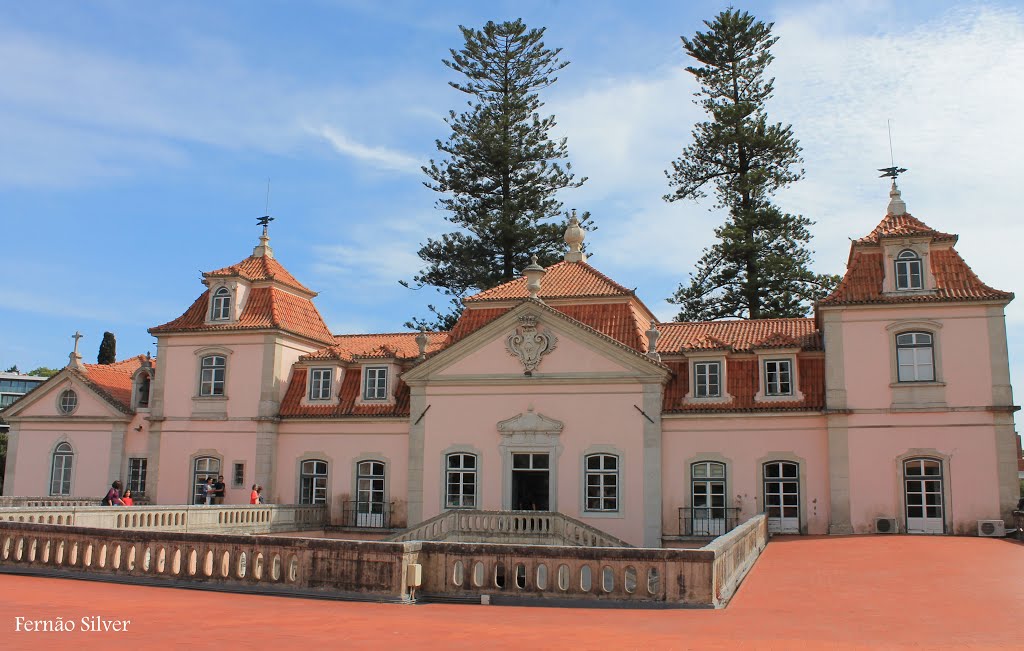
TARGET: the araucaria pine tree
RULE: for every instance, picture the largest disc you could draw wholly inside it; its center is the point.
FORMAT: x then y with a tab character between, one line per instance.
759	267
501	172
108	349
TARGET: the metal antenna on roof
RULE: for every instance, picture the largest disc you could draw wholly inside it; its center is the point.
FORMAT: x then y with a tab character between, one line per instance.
894	171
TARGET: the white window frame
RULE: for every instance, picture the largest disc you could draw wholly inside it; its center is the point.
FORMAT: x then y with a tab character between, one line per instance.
321	383
213	468
313	481
765	355
220	304
904	265
778	391
62	463
371	492
704	390
913	356
375	371
602	478
67	401
207	387
460	476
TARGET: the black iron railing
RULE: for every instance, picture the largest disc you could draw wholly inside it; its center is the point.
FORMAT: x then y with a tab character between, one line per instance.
707	521
371	515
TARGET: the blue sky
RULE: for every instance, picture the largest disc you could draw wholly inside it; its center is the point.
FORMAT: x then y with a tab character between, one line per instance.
138	139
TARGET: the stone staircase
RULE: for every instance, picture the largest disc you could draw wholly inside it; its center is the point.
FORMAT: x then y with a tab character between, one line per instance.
509	527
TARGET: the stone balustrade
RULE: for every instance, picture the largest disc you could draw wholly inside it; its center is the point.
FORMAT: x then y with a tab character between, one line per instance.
255	519
522	527
463	571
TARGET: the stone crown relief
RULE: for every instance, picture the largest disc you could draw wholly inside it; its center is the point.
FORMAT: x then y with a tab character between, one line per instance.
530	345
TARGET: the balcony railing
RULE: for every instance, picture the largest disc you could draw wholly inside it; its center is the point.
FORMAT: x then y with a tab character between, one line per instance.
368	515
707	521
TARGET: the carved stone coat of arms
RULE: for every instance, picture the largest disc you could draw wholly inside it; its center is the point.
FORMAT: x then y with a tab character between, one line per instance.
528	344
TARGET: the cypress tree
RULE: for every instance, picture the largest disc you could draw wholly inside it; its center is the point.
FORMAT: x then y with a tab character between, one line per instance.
501	171
108	349
759	267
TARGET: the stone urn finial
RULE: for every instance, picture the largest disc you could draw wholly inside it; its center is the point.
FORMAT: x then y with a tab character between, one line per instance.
533	273
652	342
896	204
574	235
422	340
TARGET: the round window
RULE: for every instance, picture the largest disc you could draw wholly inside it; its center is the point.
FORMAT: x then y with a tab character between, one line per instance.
68	401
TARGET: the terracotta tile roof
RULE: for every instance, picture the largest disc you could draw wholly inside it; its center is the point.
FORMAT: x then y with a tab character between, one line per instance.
401	345
738	335
620	321
265	307
255	268
114	381
903	226
742	384
348	393
562	280
954	281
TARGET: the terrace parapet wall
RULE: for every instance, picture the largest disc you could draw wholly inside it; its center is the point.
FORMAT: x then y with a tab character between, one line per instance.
385	571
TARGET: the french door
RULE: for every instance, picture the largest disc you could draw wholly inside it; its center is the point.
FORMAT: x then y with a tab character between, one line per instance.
922	484
782	496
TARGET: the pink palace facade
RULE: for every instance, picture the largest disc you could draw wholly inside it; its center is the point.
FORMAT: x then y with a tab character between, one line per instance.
890	409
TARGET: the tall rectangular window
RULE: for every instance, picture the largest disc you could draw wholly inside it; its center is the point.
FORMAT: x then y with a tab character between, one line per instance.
707	379
778	377
137	475
320	383
238	476
211	379
602	477
313	482
461	481
375	386
915	357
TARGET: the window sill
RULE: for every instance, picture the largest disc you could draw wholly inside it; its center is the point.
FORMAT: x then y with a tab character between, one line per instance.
602	515
912	384
210	398
707	400
788	397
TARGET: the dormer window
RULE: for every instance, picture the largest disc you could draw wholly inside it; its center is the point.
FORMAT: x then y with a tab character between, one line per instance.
320	383
221	310
909	271
375	383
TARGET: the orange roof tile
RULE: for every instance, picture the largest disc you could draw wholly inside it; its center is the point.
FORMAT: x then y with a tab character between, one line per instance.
562	280
265	307
401	345
114	381
738	335
256	268
472	319
348	394
954	281
742	384
904	225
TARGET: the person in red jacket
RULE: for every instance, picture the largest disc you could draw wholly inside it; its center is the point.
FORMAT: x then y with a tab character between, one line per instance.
254	496
126	499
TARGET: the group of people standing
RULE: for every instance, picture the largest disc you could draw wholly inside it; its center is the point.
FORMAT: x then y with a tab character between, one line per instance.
211	492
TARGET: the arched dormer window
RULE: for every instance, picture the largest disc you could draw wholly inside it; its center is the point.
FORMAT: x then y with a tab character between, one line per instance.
909	271
221	310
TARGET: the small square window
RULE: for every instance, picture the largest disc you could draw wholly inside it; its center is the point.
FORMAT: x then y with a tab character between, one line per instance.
707	381
320	383
375	385
778	377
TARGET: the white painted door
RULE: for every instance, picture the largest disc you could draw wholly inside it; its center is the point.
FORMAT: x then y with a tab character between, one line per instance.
708	499
370	494
782	496
922	481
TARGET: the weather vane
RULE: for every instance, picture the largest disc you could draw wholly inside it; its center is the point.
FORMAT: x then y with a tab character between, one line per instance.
894	171
264	221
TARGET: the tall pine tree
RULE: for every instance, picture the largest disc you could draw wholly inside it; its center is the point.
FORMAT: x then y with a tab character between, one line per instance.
502	172
759	267
108	349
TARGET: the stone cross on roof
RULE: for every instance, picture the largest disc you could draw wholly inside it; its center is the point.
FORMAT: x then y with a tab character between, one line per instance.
74	359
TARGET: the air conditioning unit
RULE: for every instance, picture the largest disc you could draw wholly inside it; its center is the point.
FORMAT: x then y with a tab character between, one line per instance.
886	525
991	528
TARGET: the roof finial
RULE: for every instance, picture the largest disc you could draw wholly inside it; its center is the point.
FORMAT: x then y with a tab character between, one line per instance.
652	342
533	273
74	359
574	238
263	249
422	340
896	204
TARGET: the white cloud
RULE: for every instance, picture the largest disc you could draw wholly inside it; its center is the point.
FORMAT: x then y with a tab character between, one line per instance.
377	156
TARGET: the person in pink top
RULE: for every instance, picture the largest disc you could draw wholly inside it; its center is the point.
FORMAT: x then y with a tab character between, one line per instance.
254	496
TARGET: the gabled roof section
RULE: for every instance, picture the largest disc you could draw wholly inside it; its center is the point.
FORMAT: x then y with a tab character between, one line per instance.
348	394
905	225
111	382
397	345
265	308
562	280
740	336
259	268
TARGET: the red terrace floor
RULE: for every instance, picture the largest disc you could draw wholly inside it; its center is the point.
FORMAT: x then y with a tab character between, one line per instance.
866	592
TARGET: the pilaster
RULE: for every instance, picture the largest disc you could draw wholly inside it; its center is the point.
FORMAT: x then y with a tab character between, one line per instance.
653	394
417	430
